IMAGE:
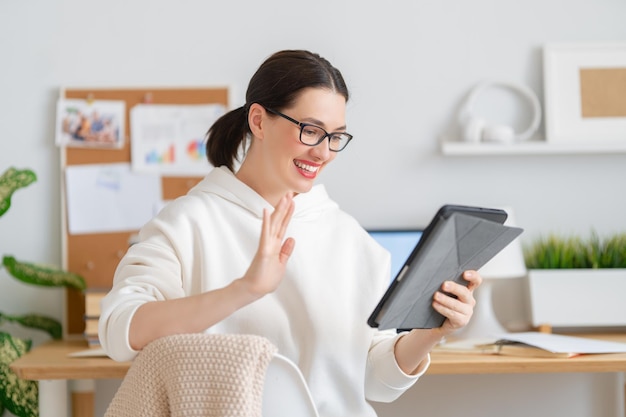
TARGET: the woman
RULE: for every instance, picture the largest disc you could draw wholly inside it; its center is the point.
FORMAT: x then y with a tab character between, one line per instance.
224	258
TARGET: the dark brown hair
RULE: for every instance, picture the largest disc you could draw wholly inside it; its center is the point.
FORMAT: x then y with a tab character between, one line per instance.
276	84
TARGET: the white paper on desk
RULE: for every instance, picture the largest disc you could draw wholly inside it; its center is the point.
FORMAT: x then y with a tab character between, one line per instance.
564	344
109	198
89	353
169	139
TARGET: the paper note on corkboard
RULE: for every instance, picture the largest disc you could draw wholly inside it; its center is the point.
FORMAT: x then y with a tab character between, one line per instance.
603	92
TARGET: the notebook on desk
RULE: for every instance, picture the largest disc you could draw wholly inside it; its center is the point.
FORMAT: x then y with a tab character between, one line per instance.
533	344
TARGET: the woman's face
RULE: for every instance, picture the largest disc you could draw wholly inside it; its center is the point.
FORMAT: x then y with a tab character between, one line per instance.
288	164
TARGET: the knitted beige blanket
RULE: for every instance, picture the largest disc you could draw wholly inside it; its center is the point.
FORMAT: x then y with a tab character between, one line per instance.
196	375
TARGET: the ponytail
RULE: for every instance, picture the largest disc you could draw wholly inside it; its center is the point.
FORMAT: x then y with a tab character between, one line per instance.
225	136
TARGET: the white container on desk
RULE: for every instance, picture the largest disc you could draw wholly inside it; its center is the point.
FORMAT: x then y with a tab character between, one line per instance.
577	297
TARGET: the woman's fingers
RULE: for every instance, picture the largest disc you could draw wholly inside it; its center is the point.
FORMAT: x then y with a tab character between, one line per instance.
279	219
474	279
287	249
286	216
275	224
456	301
268	265
451	304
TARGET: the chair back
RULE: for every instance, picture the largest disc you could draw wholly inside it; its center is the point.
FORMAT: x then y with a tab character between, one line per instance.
212	375
285	392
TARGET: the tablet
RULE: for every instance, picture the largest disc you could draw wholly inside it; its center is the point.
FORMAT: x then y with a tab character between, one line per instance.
457	239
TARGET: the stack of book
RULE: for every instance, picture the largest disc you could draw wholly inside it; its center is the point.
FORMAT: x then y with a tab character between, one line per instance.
93	296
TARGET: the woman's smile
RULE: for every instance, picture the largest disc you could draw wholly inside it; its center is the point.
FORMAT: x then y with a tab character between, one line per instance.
307	169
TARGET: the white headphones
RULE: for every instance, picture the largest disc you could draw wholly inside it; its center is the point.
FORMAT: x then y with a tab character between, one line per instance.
475	129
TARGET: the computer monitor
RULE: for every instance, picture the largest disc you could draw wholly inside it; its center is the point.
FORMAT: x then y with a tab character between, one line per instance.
399	242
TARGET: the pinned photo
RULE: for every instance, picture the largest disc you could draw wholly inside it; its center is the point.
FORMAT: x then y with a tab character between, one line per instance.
90	123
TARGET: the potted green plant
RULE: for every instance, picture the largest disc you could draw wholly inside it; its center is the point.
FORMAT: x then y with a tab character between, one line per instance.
577	282
18	396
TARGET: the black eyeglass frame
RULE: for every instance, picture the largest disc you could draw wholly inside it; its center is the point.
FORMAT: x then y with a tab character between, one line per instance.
303	125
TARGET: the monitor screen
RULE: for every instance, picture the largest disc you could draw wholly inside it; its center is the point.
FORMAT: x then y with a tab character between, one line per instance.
399	243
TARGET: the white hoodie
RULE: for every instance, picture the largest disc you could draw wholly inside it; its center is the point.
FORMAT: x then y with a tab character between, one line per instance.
317	316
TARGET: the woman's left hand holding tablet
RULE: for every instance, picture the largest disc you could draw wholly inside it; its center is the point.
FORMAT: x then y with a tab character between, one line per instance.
458	309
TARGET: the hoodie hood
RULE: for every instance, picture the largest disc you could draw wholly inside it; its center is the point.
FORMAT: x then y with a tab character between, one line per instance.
222	182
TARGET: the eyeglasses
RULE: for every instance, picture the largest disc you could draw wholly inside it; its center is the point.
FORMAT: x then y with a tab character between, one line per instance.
312	135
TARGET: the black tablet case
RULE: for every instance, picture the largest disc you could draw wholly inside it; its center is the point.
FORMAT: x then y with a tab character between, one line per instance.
455	244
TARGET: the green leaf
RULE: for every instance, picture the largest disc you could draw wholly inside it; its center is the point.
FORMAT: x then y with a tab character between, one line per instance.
556	252
19	396
11	180
39	322
42	275
614	254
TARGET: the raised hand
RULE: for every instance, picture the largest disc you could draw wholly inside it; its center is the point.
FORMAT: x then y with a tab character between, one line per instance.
268	265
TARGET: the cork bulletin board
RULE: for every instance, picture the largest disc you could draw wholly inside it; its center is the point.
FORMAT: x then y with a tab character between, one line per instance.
95	256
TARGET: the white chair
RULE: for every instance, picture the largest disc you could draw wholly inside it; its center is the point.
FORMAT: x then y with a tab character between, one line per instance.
212	375
285	393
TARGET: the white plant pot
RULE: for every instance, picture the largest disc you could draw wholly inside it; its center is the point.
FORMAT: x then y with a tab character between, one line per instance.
577	297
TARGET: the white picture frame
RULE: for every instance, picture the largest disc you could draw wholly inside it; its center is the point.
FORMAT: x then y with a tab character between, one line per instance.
564	65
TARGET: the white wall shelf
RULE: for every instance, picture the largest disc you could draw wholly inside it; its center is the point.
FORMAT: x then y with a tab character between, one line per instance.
450	148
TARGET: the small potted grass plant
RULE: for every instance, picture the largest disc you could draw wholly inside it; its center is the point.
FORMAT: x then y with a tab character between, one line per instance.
577	282
18	396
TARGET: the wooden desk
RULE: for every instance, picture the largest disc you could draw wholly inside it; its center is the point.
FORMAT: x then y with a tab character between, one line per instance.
445	363
50	361
454	364
50	364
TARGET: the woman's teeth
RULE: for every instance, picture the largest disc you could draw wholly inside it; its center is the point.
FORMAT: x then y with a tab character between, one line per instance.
306	167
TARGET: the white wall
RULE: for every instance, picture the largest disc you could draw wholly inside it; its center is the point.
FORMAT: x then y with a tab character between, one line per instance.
409	63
